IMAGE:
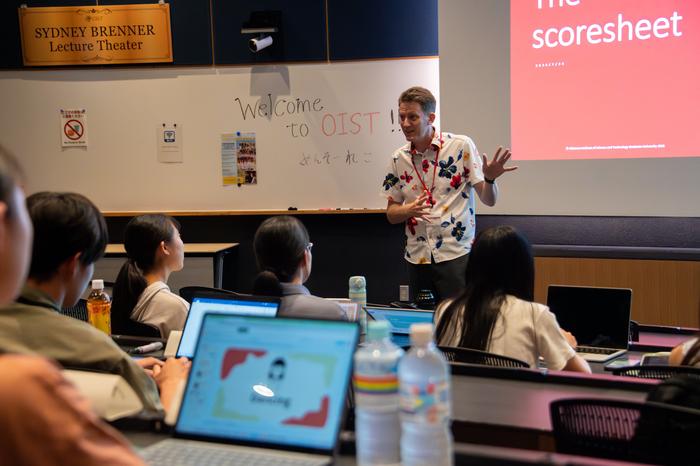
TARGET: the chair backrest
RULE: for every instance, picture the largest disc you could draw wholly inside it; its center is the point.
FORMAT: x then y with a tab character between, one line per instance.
646	432
79	311
187	292
472	356
656	372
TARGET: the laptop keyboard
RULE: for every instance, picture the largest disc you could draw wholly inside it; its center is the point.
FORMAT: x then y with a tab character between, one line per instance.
184	453
592	350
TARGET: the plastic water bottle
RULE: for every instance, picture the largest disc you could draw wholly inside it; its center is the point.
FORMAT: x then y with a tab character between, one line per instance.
424	388
99	307
357	292
377	427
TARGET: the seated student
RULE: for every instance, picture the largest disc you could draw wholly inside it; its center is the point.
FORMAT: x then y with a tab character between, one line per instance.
495	312
283	253
69	236
43	418
154	250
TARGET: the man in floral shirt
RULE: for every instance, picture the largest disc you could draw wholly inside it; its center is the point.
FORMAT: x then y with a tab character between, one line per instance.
430	185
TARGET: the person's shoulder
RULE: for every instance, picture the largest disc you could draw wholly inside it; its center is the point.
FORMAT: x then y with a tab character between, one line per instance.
514	304
16	367
403	151
166	296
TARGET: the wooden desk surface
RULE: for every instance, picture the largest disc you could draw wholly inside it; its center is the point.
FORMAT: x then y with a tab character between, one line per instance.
190	248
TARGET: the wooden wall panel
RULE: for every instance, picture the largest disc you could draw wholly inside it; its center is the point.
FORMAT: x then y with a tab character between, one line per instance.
663	292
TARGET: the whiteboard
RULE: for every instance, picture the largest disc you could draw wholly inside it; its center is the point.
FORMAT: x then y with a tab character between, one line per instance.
328	151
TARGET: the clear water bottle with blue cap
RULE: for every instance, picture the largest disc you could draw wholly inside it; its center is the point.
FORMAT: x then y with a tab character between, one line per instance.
424	388
376	384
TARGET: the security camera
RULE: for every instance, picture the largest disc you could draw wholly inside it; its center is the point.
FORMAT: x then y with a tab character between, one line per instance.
256	45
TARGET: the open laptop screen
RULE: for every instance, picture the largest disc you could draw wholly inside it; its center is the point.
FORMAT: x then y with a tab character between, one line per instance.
256	306
597	317
400	320
277	382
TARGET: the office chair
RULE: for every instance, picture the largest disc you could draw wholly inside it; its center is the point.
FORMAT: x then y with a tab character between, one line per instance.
484	358
656	372
187	292
79	311
646	432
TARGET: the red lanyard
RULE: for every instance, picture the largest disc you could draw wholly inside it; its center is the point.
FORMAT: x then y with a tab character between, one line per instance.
431	200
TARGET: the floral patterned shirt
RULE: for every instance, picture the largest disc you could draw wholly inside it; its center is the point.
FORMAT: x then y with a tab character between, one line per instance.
448	169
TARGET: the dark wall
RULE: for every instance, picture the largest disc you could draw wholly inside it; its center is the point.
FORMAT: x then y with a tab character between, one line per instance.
366	244
208	32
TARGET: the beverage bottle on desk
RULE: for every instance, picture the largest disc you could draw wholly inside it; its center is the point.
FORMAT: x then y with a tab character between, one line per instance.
424	388
377	427
99	307
357	292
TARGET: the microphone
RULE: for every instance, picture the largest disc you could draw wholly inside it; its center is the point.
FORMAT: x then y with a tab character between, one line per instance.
155	346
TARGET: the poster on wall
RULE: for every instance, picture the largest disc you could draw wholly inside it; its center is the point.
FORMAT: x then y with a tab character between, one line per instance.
238	159
74	128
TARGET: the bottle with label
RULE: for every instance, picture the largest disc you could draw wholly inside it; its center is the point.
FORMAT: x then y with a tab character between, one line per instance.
357	292
424	389
375	380
99	307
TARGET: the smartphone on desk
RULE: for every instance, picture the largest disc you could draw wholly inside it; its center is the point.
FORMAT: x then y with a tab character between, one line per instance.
655	359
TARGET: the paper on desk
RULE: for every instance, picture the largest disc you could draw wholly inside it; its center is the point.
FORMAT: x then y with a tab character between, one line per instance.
110	395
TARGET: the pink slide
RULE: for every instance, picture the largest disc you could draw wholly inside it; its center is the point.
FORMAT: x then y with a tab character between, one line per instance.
598	79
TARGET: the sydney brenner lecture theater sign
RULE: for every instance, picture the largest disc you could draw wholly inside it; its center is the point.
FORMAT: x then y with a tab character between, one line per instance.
96	35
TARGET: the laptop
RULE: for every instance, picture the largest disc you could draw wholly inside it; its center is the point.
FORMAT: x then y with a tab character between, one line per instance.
400	321
262	389
599	318
212	302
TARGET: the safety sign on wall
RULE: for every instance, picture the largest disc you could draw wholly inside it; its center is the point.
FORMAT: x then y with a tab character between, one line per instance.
73	128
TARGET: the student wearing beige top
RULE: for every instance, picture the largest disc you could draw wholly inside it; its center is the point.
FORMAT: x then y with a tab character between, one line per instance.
496	312
43	419
141	294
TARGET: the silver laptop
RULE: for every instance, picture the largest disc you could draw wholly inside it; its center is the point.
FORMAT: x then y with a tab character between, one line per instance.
598	317
211	302
262	391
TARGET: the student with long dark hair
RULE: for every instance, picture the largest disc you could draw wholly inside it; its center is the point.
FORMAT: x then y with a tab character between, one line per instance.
496	312
283	252
141	294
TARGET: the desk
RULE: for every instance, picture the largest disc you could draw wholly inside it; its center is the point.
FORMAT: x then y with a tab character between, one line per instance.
465	454
204	264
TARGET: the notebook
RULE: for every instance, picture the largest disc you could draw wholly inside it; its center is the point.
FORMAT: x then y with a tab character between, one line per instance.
599	318
262	389
212	302
400	321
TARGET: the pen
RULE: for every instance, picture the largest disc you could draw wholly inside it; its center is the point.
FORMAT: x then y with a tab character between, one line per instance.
155	346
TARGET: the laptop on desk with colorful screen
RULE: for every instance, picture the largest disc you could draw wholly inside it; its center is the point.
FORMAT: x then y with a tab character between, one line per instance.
212	302
262	389
599	318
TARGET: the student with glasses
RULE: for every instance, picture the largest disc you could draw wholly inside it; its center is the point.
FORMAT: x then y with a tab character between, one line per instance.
283	252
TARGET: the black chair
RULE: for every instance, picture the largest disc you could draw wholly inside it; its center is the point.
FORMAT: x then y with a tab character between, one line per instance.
653	433
79	311
187	292
656	372
484	358
132	328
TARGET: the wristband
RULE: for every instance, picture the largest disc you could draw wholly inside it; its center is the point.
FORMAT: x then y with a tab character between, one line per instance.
490	181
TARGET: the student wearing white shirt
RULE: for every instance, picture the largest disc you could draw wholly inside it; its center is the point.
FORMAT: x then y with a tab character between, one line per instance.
496	312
